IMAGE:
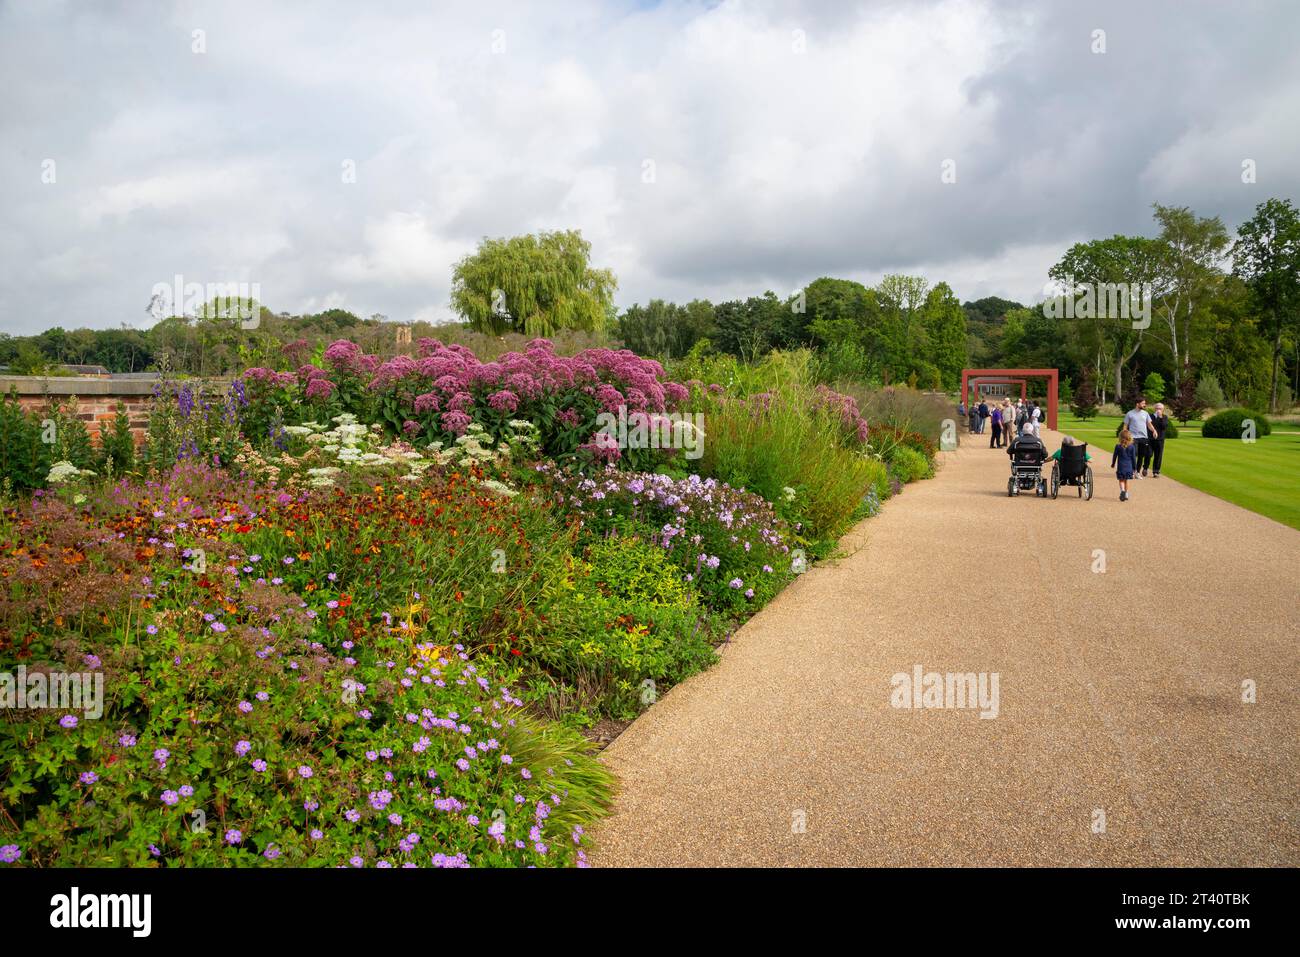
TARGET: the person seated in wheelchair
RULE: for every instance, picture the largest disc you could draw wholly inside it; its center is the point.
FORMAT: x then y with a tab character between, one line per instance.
1070	467
1071	448
1025	446
1027	457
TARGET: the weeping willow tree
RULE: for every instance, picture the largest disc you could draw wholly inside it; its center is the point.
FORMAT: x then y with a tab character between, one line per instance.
535	285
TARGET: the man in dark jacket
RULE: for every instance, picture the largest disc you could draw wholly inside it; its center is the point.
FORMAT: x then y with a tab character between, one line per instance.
1159	424
984	415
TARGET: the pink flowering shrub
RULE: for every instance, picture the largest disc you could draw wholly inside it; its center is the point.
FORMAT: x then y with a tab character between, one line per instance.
446	387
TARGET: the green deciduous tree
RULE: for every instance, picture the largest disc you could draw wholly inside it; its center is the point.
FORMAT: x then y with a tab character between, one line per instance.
1267	258
533	284
1189	269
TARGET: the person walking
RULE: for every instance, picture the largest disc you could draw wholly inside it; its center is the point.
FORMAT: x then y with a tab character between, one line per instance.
995	439
1036	417
1159	425
973	419
1137	421
1124	461
984	415
1008	421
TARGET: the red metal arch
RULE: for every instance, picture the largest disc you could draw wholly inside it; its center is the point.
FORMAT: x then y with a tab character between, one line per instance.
1052	376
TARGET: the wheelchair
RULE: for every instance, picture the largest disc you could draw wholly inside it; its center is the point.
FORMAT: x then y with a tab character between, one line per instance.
1027	468
1073	469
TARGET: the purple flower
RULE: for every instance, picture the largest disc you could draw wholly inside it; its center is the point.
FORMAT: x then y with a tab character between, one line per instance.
304	771
259	765
186	791
170	798
161	755
243	747
88	777
233	836
10	853
317	834
736	583
126	740
271	853
68	721
245	706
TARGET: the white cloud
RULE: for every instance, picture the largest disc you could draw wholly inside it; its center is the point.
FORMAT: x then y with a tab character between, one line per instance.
775	162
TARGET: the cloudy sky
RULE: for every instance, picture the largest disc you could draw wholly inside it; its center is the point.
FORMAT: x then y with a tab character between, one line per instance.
347	154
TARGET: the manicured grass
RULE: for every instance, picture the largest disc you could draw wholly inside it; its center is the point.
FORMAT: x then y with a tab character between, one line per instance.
1263	476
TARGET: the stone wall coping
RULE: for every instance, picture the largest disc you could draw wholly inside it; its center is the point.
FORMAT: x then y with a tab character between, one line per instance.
30	385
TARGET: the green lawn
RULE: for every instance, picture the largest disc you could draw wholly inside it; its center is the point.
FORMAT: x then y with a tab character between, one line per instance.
1263	476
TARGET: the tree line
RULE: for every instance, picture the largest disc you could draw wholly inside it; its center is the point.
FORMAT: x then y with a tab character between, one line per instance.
1218	310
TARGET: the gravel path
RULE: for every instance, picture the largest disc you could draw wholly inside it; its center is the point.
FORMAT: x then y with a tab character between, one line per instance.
1120	693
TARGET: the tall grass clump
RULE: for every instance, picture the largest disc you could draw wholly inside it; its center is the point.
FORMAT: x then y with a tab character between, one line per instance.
790	445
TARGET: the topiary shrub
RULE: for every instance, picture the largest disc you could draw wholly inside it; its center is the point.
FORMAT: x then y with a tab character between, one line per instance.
1228	424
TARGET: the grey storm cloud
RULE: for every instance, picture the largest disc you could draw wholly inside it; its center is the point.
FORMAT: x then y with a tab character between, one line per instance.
705	149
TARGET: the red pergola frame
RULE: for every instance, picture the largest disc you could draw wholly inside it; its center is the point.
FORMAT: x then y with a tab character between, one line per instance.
1052	376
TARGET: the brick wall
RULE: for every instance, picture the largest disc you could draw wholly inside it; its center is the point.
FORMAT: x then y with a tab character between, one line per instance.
97	399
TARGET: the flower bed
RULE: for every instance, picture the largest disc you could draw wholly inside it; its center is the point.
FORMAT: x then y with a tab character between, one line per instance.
355	614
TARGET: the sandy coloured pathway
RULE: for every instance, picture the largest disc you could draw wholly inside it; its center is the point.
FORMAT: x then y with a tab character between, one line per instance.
1119	692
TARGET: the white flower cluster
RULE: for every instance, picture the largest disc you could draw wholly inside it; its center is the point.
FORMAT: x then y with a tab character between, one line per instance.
352	444
61	472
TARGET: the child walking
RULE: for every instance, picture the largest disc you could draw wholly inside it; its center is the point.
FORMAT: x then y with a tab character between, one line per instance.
1124	461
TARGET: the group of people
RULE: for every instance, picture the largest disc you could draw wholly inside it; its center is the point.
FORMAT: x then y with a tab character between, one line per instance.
1138	453
1005	421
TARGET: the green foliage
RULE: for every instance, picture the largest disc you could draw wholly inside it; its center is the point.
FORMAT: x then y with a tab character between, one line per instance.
1208	393
71	439
778	440
535	284
665	329
117	446
1153	387
616	656
1229	424
24	457
631	570
1266	257
907	465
